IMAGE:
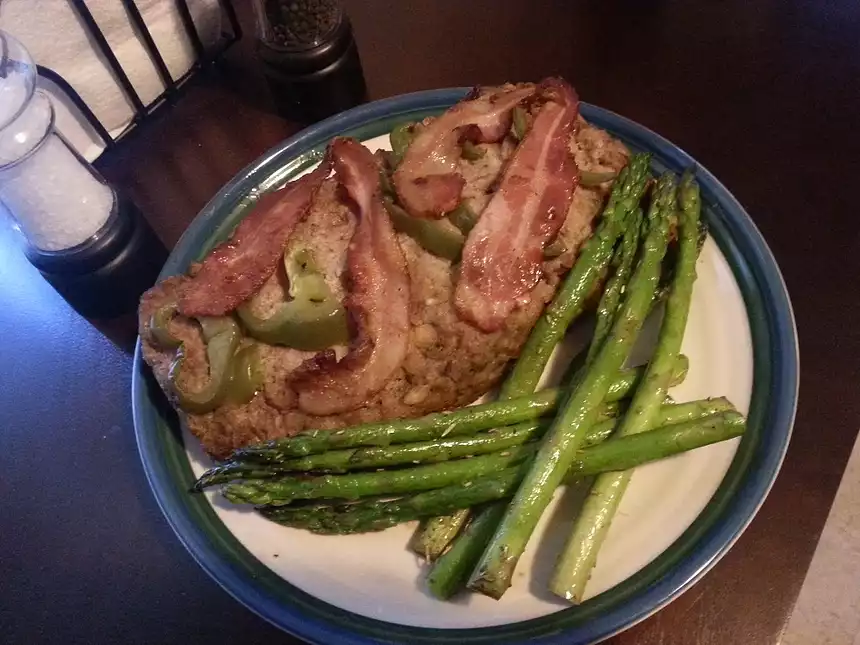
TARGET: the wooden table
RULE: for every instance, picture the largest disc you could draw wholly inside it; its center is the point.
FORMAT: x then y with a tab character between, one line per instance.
763	93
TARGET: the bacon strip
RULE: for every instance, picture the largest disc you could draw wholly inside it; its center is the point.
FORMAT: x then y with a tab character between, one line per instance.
427	180
503	255
377	297
237	269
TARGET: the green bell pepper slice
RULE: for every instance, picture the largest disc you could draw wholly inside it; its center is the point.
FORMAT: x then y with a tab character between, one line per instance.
588	178
159	326
400	137
436	236
311	321
470	152
519	123
463	217
247	374
222	336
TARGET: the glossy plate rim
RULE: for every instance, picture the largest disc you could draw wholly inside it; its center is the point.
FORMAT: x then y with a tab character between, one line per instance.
743	490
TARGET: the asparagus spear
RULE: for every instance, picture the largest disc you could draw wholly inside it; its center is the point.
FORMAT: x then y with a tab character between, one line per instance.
421	452
623	453
376	515
279	492
571	298
626	380
465	421
436	533
580	553
451	570
493	574
609	301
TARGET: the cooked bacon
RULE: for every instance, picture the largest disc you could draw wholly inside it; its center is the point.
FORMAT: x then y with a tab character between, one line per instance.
502	257
237	269
427	180
377	297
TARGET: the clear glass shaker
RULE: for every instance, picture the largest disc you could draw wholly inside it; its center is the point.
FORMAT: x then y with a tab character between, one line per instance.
57	199
93	246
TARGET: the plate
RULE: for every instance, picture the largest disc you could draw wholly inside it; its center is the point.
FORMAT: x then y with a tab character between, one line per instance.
678	518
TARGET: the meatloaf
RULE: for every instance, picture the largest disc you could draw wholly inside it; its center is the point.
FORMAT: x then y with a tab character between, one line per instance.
449	362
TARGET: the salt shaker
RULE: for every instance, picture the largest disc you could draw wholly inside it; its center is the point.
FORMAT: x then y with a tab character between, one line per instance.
309	57
92	246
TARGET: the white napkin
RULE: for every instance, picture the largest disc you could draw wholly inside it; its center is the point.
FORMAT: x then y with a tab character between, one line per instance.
55	37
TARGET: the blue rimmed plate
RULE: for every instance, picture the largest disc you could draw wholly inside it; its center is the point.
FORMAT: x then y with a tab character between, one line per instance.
678	518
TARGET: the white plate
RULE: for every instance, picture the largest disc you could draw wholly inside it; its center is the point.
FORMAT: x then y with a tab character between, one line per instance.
364	589
377	576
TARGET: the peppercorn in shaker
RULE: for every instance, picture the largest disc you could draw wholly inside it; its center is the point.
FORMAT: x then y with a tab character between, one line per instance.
309	57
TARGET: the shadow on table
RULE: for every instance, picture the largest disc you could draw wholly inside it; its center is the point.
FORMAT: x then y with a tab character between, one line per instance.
108	294
121	331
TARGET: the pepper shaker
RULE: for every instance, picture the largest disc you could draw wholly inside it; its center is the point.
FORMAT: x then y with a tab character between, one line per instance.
309	57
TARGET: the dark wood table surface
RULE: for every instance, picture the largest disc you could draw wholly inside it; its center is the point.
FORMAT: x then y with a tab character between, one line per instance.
763	93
